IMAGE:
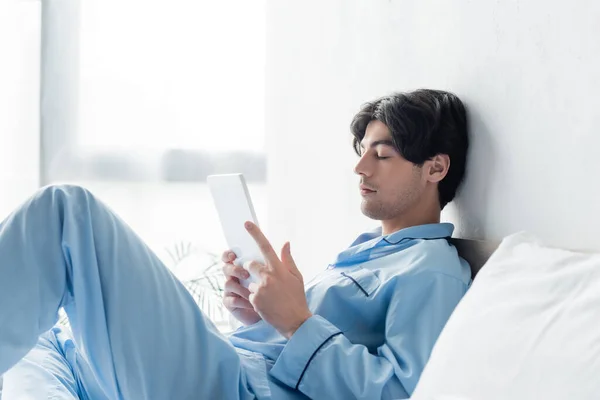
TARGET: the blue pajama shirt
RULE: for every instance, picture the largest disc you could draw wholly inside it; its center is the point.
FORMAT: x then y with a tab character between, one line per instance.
138	334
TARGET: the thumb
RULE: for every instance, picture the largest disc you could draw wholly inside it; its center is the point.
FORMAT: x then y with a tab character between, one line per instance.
288	260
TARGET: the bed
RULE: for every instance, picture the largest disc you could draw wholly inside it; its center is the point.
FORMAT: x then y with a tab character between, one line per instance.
476	252
527	328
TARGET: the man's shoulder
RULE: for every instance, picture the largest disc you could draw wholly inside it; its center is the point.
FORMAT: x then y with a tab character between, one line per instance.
433	256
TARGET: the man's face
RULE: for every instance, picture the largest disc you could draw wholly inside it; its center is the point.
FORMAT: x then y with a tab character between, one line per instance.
395	184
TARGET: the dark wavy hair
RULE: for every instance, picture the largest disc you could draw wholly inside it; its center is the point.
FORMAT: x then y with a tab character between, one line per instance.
423	124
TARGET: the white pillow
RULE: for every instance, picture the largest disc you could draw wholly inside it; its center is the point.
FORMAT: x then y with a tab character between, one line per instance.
529	328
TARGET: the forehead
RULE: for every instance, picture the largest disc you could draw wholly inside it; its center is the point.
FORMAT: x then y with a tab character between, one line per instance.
376	131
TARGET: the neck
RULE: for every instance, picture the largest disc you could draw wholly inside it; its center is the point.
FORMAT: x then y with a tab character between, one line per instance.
415	216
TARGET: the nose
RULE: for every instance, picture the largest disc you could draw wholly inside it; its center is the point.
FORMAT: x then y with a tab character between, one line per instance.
361	167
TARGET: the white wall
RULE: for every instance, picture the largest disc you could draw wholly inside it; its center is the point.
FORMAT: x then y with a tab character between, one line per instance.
529	73
19	101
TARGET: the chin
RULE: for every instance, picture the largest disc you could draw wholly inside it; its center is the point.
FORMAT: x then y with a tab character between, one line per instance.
370	212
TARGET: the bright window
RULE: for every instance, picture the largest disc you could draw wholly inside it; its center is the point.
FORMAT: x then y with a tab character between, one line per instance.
143	99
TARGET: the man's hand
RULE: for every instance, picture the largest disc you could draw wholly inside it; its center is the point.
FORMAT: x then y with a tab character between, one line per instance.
235	298
279	298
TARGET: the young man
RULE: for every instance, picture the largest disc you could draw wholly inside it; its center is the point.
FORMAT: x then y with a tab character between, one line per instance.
364	328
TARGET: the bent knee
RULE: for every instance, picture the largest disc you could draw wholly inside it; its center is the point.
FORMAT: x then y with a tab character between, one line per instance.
62	188
57	194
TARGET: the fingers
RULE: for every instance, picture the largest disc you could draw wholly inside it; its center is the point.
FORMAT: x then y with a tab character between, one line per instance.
233	301
232	285
255	268
263	244
228	256
231	270
252	288
288	261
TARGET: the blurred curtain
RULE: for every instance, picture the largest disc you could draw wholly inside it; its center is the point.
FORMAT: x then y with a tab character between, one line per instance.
19	101
142	99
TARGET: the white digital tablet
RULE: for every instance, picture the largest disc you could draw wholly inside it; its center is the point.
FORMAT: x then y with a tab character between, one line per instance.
234	207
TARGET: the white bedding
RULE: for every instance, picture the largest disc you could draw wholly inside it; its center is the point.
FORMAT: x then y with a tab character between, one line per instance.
527	329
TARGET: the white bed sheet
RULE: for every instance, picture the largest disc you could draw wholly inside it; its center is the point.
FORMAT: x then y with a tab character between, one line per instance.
527	329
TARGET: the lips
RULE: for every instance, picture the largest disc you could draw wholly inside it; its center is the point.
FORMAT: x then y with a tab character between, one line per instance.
366	190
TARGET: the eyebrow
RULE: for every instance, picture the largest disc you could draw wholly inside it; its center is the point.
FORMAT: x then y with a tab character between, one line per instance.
386	142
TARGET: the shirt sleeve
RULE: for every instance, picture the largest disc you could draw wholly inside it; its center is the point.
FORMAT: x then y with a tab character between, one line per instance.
321	362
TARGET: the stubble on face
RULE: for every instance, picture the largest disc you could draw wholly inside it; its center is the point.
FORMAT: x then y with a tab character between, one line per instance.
390	203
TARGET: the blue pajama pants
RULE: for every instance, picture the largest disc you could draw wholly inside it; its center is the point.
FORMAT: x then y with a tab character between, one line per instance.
137	332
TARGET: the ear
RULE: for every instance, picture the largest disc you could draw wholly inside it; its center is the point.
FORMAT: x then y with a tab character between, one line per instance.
437	168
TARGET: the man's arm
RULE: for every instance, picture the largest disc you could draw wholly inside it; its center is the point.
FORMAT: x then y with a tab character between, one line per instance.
322	363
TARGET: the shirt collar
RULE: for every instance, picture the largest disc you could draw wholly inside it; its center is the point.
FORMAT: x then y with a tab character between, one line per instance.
372	245
428	231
